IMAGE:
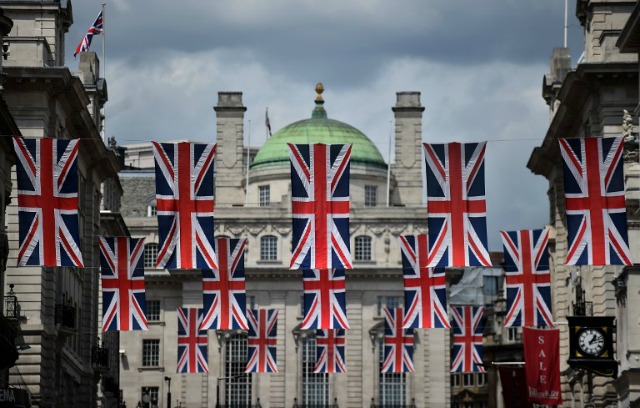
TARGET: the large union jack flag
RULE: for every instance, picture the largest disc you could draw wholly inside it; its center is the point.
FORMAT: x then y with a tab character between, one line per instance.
192	342
425	289
47	173
330	346
595	204
184	199
528	281
320	206
324	299
123	296
398	343
456	204
262	340
224	295
467	323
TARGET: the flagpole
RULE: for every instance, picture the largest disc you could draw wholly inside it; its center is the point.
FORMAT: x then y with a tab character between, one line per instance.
246	189
104	74
566	20
389	166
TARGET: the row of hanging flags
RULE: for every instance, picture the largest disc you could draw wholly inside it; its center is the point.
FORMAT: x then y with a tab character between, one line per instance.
457	237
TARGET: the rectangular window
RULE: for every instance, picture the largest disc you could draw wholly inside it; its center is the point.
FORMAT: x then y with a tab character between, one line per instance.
152	392
269	248
153	310
363	248
388	302
152	210
512	334
392	386
481	379
150	353
370	196
265	195
150	255
455	380
238	389
315	386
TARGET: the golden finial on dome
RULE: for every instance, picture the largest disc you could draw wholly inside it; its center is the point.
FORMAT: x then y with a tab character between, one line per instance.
319	91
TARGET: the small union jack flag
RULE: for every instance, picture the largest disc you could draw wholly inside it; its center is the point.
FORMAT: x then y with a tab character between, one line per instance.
320	206
398	343
122	270
456	204
47	172
96	28
425	289
192	342
528	281
324	299
330	345
595	204
184	200
468	325
263	331
224	295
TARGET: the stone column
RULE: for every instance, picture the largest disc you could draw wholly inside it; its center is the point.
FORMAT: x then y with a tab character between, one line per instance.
408	149
230	171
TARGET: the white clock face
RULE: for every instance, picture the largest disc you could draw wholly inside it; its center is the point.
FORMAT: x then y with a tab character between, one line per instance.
591	342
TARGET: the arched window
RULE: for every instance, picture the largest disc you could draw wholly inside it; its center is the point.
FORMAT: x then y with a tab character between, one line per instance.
150	255
363	248
269	248
152	209
315	386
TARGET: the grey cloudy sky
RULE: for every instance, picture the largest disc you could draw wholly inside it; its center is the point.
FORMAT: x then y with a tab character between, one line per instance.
478	65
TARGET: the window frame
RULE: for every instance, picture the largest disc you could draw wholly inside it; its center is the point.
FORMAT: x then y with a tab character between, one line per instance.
370	196
264	195
314	387
268	253
145	255
151	354
237	391
361	252
396	383
159	310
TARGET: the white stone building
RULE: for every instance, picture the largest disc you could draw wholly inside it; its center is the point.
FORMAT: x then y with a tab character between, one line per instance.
261	213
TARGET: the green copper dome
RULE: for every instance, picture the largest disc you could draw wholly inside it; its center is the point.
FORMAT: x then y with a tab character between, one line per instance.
318	129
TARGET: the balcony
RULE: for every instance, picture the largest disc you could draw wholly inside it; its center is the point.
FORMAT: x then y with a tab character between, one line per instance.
65	319
100	359
314	405
392	405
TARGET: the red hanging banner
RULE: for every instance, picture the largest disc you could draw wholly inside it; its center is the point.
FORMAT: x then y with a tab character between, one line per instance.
542	363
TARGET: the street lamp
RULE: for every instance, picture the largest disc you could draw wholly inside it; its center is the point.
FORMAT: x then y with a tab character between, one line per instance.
168	380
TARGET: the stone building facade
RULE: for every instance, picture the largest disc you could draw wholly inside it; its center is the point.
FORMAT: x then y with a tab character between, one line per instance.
59	316
260	211
590	100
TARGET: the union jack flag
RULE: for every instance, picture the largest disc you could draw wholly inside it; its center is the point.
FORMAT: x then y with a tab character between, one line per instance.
425	289
398	343
47	172
263	331
330	345
184	199
324	299
95	29
192	342
528	281
224	295
456	204
123	297
468	325
595	204
320	206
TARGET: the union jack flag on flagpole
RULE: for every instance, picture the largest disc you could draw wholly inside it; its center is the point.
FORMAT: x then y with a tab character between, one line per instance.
456	204
47	173
320	206
330	346
468	325
324	299
224	295
425	289
398	343
184	200
96	28
263	332
528	280
192	342
123	295
596	210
